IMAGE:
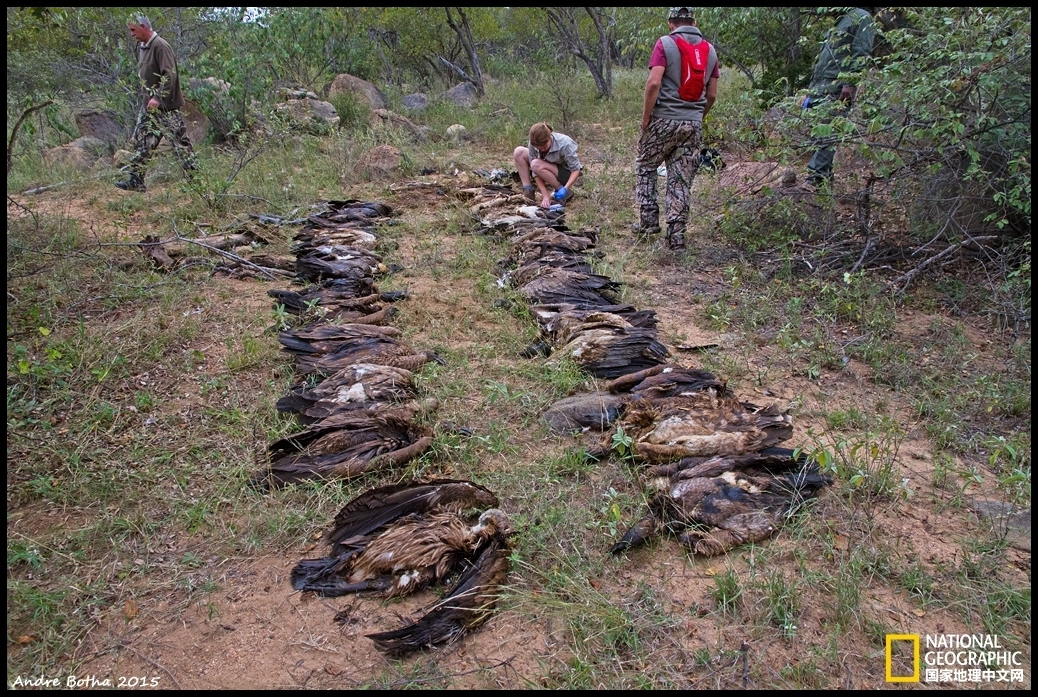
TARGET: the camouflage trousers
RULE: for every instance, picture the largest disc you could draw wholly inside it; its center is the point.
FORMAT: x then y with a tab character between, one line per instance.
152	127
676	143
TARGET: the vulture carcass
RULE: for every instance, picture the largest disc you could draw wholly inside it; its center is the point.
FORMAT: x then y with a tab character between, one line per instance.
395	540
722	502
355	387
323	338
349	443
703	423
604	344
407	555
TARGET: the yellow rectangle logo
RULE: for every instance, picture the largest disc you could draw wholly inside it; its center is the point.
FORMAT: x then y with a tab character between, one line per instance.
891	638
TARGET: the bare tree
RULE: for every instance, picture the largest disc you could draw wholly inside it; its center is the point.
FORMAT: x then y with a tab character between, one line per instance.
464	31
597	55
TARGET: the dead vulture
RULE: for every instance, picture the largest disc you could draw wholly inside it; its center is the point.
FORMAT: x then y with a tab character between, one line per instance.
324	338
383	351
585	291
545	313
724	501
701	424
353	291
373	510
604	344
321	262
330	304
398	539
590	411
347	444
356	386
526	273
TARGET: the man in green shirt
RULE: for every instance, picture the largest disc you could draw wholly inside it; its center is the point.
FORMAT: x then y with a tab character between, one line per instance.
834	82
160	117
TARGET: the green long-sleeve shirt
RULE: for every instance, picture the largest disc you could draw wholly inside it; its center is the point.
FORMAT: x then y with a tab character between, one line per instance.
846	50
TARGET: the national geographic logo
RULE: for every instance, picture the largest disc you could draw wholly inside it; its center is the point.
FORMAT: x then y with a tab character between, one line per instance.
954	658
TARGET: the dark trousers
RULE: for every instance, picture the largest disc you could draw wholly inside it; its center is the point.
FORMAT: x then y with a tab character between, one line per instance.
821	164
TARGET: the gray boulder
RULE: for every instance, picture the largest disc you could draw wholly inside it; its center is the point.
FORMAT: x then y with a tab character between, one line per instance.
362	88
380	161
196	121
100	124
309	115
463	95
383	118
81	154
418	102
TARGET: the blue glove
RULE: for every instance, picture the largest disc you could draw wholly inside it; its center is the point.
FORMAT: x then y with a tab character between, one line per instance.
560	193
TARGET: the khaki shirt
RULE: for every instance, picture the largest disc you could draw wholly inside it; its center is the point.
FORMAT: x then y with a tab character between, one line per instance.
563	152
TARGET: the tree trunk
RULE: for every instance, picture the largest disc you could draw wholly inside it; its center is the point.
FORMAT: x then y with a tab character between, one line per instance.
464	33
565	22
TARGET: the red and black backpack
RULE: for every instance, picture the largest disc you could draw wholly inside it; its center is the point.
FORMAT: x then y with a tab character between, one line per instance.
694	59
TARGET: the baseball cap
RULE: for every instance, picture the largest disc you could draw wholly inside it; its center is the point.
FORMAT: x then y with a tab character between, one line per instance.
682	13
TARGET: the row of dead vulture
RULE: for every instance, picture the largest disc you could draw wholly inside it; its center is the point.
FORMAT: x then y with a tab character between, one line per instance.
356	397
713	469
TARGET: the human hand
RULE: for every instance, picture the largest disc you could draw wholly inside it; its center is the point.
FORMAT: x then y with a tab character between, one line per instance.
847	94
545	201
560	193
153	104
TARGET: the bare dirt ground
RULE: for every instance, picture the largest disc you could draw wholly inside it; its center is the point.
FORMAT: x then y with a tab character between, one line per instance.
257	632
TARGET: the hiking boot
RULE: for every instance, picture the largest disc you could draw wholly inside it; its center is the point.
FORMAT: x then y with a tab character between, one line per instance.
645	232
134	183
529	193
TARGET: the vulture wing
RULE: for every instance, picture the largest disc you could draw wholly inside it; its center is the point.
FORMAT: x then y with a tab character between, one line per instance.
467	605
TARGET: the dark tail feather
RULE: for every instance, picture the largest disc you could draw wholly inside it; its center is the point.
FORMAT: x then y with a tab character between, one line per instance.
640	533
321	576
310	570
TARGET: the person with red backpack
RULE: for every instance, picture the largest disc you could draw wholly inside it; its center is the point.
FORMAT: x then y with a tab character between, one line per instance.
680	90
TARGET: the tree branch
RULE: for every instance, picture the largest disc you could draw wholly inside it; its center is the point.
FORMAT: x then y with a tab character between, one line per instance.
17	125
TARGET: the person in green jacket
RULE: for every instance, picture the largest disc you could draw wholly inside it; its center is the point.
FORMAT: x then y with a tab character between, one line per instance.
834	83
160	117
